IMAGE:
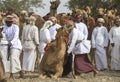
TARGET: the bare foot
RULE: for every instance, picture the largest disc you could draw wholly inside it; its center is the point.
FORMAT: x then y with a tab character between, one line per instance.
95	72
76	76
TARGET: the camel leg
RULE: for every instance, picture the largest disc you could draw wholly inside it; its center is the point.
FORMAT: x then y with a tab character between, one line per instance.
42	74
58	72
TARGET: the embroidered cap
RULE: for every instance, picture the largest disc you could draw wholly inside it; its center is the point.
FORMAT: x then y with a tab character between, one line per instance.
78	16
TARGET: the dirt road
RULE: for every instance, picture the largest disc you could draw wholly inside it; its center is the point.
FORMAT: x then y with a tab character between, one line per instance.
104	76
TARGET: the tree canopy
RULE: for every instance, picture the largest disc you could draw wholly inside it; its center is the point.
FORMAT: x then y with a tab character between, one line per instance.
18	5
108	4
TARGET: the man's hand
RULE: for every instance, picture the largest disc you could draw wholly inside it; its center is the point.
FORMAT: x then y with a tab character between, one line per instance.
112	44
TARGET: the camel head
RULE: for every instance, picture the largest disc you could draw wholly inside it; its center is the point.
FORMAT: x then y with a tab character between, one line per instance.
101	11
23	16
111	13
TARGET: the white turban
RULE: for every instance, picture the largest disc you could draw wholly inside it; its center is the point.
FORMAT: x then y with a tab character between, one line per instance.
101	20
47	24
32	20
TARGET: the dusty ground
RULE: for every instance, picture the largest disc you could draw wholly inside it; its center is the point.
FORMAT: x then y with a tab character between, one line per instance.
104	76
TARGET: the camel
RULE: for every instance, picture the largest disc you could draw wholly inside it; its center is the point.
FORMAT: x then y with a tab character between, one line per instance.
100	12
52	62
111	15
83	12
39	21
24	15
54	6
108	15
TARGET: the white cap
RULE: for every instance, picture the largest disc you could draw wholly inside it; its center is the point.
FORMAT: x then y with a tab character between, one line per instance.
101	20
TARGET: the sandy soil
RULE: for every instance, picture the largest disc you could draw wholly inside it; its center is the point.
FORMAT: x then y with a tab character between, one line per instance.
103	76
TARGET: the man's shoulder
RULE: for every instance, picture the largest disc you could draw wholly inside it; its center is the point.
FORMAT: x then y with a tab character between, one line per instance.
81	24
75	30
35	27
58	25
113	27
14	25
105	28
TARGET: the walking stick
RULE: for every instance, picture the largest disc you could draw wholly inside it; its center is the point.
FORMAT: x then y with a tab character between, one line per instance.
9	52
38	58
73	72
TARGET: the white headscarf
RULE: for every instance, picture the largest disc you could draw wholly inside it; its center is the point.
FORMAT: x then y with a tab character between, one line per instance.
32	20
47	24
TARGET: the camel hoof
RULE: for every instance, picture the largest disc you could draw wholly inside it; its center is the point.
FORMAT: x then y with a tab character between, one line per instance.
42	76
54	77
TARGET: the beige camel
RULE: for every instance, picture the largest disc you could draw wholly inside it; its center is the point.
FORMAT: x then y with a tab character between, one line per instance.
52	62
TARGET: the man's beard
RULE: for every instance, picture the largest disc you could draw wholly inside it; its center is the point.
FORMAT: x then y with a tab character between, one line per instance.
8	23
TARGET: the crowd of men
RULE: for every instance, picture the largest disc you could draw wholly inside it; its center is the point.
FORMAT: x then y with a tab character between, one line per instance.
11	46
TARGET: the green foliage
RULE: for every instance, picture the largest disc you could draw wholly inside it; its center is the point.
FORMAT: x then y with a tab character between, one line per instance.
80	3
108	4
18	5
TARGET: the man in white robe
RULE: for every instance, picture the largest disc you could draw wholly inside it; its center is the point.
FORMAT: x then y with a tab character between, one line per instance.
99	44
30	43
81	26
52	30
3	52
76	46
45	37
11	32
114	36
